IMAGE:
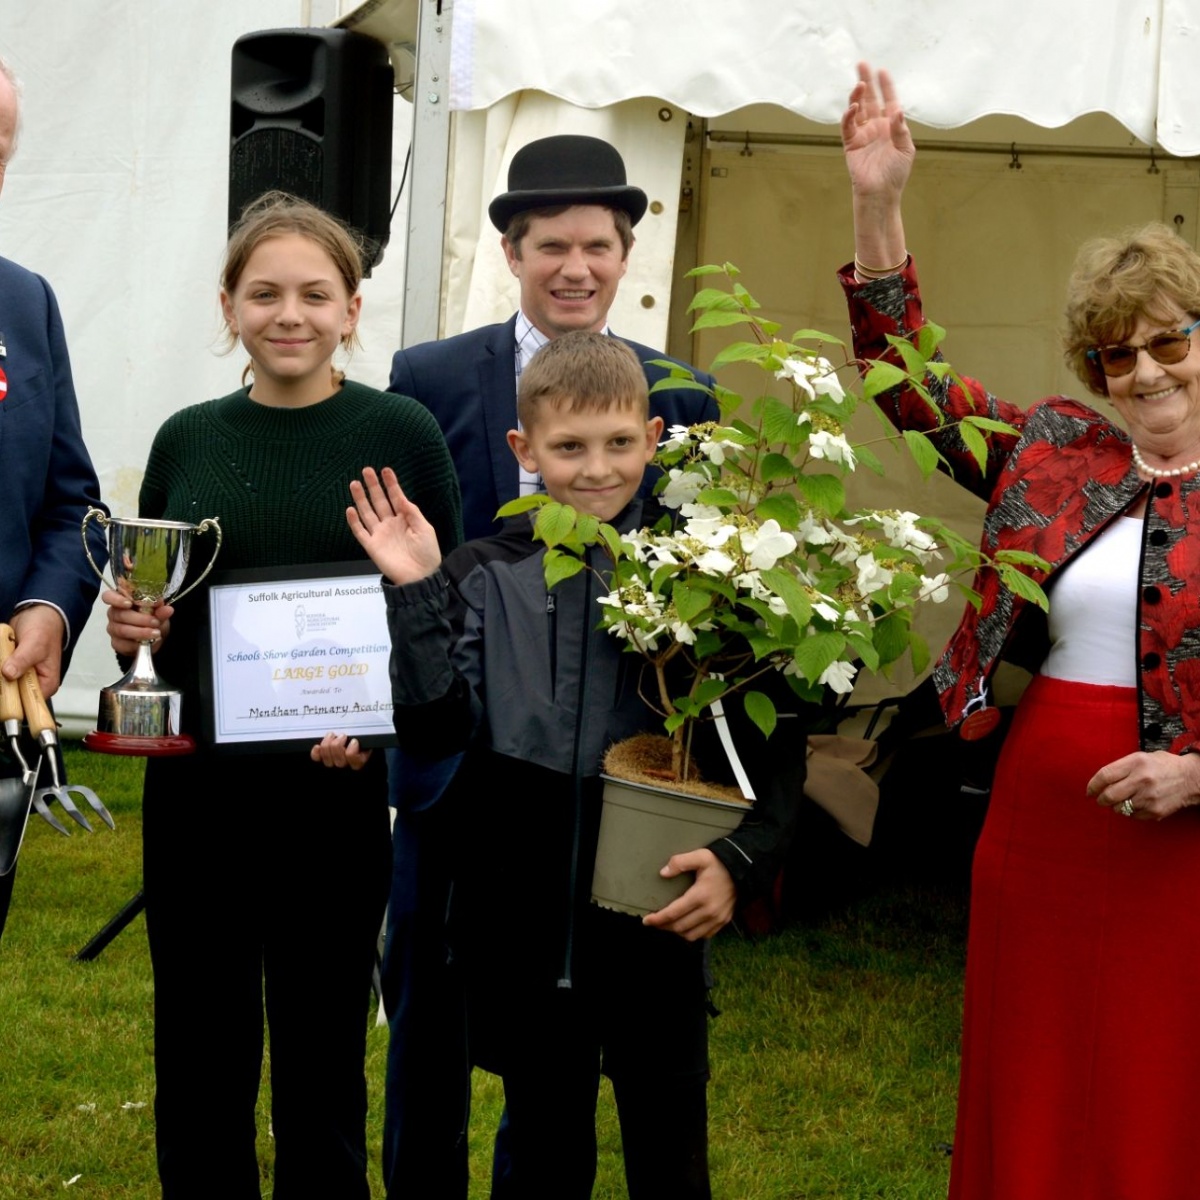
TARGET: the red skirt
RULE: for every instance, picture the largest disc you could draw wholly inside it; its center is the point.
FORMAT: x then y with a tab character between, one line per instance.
1081	1027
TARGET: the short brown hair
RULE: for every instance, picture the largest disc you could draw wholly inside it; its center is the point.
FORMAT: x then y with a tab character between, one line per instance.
275	214
518	227
1142	272
582	370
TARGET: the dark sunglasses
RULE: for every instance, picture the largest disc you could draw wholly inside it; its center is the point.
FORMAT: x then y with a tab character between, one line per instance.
1164	348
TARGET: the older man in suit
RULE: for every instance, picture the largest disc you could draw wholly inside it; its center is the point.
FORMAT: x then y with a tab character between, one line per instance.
46	477
567	229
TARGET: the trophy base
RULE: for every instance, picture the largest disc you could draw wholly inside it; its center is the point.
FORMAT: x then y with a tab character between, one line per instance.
139	747
139	715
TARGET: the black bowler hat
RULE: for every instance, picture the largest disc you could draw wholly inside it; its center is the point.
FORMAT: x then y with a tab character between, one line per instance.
566	169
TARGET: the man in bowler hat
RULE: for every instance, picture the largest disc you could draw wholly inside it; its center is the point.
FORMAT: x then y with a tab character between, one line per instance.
567	223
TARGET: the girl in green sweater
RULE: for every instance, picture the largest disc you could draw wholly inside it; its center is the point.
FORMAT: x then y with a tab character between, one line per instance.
277	895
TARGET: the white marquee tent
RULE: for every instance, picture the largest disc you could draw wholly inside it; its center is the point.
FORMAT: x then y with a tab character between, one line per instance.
1040	122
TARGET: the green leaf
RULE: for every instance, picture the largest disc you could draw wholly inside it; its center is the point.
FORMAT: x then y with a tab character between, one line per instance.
990	425
523	504
788	588
587	529
882	377
761	711
739	352
681	382
817	652
779	423
869	459
774	467
710	299
612	539
555	523
825	493
716	318
864	648
781	507
690	602
914	360
719	497
1021	585
708	691
918	649
816	335
1024	558
929	337
891	638
559	566
924	452
744	297
975	442
712	269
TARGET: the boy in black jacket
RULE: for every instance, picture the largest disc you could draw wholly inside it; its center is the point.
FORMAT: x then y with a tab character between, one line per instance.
486	661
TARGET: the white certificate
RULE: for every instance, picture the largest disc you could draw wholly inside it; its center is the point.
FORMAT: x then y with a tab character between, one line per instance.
295	658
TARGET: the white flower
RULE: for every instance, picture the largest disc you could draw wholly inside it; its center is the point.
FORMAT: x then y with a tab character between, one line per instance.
873	576
711	531
766	545
829	384
681	631
826	611
705	512
900	529
839	677
678	436
715	450
936	589
815	376
682	487
832	447
714	562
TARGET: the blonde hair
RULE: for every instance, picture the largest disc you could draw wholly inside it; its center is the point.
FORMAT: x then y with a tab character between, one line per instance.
1149	272
582	370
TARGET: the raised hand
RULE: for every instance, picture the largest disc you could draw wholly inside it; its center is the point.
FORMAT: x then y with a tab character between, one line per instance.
875	138
391	529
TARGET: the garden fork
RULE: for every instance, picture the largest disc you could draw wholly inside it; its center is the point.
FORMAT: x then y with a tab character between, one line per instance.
42	727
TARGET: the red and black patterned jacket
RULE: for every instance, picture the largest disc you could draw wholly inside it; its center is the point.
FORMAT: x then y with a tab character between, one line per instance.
1050	489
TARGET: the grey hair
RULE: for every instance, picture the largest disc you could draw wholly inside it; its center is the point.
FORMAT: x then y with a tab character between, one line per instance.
15	84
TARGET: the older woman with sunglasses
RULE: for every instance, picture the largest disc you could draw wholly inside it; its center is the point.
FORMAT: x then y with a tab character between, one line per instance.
1080	1048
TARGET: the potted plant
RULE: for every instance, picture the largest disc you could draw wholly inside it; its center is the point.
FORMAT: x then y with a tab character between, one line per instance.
760	565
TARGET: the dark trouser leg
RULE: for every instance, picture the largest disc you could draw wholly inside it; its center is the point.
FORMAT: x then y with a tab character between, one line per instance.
551	1105
6	891
322	920
428	1089
664	1137
201	919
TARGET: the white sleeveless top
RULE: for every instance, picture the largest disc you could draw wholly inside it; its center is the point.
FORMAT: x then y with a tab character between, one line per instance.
1093	610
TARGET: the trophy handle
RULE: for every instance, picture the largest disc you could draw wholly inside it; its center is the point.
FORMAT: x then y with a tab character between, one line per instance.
202	528
102	517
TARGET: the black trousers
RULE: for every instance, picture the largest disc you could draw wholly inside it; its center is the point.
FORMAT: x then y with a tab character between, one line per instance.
265	879
637	1012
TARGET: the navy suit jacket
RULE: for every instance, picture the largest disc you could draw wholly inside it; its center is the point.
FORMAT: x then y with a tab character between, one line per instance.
469	384
46	477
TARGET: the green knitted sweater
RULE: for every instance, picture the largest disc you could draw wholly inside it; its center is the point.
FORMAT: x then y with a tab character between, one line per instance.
278	480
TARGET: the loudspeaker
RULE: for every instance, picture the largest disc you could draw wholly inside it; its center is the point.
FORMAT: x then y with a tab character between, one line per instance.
311	114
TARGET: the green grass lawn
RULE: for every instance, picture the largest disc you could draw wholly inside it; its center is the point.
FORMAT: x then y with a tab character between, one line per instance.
834	1057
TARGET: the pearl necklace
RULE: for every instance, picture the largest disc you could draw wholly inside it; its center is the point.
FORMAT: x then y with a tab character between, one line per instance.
1158	472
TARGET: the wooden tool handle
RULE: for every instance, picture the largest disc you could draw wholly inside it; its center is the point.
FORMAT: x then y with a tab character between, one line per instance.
37	714
10	696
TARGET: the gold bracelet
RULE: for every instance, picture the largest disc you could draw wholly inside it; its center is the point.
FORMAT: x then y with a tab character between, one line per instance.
863	269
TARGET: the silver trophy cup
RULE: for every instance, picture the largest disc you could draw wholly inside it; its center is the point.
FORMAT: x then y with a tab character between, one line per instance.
139	714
